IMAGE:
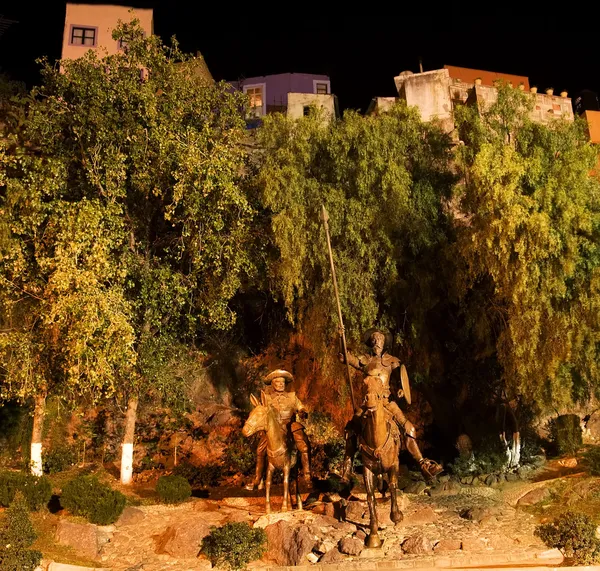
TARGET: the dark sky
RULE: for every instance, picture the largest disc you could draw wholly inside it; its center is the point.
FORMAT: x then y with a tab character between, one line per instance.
361	49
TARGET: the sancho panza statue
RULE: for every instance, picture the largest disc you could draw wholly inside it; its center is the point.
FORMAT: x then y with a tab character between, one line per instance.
287	405
377	366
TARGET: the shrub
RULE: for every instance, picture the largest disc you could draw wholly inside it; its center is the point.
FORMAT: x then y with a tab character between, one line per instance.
199	476
566	434
574	534
88	497
239	457
16	537
234	545
58	460
173	489
592	459
36	490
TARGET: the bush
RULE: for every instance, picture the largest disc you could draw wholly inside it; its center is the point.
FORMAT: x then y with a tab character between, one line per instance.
574	534
16	538
58	460
173	489
566	434
239	457
487	458
200	476
592	459
234	545
36	490
88	497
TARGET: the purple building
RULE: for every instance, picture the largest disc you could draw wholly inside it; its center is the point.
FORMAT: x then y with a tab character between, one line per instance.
269	93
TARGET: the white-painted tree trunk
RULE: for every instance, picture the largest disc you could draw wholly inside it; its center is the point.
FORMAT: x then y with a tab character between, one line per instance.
127	446
36	435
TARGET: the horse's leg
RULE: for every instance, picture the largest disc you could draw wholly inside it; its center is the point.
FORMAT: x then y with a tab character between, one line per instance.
286	485
268	488
395	515
298	495
372	539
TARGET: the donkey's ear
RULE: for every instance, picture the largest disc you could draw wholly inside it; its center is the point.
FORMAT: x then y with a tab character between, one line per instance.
263	398
254	400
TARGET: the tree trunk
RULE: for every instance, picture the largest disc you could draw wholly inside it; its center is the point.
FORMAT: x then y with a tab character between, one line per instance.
36	434
127	450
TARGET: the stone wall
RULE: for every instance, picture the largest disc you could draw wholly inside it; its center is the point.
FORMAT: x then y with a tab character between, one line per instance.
298	101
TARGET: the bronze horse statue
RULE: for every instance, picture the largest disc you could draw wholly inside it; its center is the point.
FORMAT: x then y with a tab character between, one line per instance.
281	452
379	445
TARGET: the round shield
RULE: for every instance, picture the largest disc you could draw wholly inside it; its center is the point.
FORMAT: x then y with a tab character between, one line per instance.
405	384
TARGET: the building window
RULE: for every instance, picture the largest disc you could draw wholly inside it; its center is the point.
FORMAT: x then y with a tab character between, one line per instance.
81	36
306	110
256	95
321	88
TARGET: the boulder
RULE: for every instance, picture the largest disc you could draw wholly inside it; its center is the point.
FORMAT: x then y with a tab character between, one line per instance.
417	544
355	510
448	545
82	537
421	517
324	546
476	514
312	557
416	488
332	556
182	541
473	544
289	544
131	516
534	497
351	546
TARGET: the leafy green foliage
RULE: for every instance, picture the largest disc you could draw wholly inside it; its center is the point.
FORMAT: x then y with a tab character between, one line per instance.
124	226
592	460
88	497
36	490
565	433
58	459
488	457
239	457
16	537
234	545
173	489
383	180
574	534
527	248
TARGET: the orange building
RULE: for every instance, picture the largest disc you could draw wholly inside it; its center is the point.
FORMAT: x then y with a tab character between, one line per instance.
468	75
90	26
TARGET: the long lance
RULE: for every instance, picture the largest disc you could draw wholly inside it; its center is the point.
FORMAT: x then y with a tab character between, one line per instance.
339	307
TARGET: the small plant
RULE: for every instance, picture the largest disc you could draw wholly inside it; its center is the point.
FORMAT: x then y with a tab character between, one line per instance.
592	459
173	489
234	545
240	457
566	434
58	460
574	534
16	538
90	498
199	476
37	491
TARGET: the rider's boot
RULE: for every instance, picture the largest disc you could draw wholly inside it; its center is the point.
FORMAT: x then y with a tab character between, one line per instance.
306	469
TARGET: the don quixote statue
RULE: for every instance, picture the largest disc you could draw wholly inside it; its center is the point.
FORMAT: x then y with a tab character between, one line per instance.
378	429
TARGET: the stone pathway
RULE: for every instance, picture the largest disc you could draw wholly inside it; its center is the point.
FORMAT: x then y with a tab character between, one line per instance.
451	530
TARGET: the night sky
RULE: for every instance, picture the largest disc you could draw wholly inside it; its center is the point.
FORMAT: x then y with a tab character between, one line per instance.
361	49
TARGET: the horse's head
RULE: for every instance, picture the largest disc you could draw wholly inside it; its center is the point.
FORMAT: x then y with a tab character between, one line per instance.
373	400
258	416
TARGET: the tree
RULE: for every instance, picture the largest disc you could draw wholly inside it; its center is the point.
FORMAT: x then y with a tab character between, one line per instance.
528	249
384	181
125	223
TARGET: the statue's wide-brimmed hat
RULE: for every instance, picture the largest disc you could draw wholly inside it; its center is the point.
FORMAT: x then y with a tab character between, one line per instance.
369	333
279	373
